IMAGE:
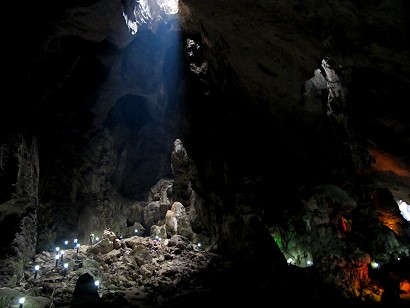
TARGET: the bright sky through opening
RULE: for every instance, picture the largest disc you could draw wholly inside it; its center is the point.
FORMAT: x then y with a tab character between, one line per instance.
404	209
168	6
137	13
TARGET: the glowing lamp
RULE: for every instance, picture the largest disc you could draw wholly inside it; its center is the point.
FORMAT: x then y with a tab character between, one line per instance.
36	268
77	246
65	242
309	263
97	283
65	268
57	257
375	265
290	260
136	230
21	301
57	249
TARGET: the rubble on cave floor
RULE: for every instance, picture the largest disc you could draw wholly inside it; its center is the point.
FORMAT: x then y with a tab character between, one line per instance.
139	270
162	273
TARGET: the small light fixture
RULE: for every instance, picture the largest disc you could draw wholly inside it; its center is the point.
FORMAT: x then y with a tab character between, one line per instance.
57	249
62	255
21	301
36	268
65	269
97	283
77	246
57	257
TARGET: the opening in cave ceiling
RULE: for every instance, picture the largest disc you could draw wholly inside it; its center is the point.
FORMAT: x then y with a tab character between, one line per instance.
137	13
404	209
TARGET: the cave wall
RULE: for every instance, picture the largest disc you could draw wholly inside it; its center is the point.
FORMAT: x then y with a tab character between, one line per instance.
18	219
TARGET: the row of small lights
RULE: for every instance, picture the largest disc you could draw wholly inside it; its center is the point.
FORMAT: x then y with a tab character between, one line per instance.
158	239
291	261
376	265
373	264
23	299
60	255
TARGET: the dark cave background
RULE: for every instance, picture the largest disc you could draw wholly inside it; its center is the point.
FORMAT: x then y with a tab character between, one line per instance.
92	113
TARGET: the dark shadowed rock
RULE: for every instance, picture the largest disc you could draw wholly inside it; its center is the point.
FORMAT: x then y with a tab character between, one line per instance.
86	293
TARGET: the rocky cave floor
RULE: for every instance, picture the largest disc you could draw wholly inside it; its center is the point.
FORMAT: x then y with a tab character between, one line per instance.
146	272
133	272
